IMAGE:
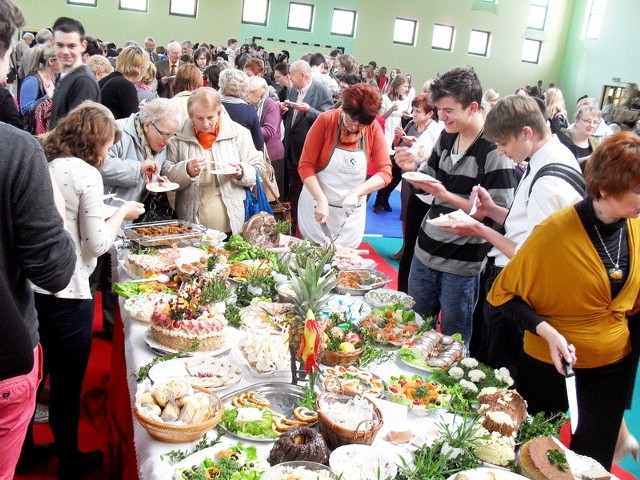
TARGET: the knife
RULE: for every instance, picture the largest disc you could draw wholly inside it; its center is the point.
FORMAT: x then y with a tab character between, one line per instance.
327	232
570	384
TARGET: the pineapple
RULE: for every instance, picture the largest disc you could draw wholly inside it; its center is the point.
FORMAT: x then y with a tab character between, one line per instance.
311	282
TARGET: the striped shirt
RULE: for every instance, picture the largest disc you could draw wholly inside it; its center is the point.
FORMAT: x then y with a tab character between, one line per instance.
481	164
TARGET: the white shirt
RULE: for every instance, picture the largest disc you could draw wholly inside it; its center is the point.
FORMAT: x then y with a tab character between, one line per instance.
549	195
81	186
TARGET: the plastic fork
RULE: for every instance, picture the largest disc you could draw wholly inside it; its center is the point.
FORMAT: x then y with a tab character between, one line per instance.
112	196
474	205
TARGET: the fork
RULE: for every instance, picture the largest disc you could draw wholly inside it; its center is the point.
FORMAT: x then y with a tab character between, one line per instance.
474	205
112	196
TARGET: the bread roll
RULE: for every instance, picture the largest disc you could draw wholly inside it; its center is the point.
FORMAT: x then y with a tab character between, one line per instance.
170	412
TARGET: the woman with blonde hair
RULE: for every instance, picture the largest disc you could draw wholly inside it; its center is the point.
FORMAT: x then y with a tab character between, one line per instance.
146	87
556	109
76	148
117	90
489	99
40	82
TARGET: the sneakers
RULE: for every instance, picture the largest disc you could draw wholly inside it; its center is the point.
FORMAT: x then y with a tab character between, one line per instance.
42	413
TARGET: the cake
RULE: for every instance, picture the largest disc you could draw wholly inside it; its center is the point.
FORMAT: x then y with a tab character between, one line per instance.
300	443
536	464
181	321
508	402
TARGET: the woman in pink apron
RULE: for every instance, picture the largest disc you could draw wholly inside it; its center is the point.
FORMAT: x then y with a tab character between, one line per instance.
338	149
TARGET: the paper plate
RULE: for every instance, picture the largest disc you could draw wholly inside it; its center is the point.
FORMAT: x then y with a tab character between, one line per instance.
449	219
159	187
223	171
419	177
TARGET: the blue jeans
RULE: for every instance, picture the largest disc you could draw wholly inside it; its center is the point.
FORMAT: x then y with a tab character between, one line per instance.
453	295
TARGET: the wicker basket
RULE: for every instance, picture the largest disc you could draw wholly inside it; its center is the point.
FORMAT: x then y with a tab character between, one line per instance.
167	432
343	359
334	434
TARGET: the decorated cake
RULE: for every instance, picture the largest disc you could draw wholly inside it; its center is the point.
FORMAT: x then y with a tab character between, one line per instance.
187	319
300	443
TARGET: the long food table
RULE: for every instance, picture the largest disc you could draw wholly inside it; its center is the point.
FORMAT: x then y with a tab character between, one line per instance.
141	458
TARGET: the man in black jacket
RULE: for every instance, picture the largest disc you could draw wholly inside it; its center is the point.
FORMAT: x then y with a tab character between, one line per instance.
76	83
33	247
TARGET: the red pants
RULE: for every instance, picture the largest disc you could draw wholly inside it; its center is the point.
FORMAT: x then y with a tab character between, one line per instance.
17	404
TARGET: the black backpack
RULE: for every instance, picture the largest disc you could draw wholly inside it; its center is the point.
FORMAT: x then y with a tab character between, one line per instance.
566	173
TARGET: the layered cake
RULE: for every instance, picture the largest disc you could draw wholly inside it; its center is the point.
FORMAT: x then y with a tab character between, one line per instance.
180	322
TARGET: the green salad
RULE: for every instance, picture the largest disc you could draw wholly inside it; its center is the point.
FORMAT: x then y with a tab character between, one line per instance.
260	429
236	463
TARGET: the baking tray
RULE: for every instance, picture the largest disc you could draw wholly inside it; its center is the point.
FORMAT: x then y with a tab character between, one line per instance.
195	233
284	398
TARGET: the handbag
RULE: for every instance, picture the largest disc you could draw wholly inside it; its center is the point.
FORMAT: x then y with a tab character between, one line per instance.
156	208
256	201
269	182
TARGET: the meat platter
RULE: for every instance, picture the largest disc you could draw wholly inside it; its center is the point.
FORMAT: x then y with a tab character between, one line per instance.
169	232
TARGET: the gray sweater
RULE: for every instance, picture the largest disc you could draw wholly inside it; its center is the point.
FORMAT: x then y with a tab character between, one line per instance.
33	246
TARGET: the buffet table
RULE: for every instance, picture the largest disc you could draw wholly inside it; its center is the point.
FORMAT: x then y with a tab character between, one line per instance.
135	454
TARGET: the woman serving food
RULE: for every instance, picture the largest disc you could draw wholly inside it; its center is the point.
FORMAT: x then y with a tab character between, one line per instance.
575	288
333	167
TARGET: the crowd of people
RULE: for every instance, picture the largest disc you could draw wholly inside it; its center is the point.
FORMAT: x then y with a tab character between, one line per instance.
211	118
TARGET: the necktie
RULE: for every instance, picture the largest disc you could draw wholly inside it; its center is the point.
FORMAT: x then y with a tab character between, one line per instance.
173	69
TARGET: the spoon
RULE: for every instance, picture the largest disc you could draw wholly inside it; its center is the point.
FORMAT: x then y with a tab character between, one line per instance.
474	205
112	196
162	278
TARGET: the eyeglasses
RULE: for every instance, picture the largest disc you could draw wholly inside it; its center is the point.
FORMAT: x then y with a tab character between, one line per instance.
590	122
165	135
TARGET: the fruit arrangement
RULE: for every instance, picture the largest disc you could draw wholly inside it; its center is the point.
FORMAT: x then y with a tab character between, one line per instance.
343	341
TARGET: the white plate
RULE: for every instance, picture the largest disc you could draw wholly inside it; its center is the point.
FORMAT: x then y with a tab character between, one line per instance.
161	349
419	177
223	171
449	219
489	474
225	443
361	462
176	368
159	187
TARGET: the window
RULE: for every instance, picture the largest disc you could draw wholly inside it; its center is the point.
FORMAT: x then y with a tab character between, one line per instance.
595	15
537	14
300	16
479	43
135	5
183	8
343	22
255	12
405	31
531	50
442	37
86	3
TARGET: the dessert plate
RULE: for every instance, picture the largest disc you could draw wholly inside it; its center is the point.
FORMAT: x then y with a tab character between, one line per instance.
419	177
449	219
159	187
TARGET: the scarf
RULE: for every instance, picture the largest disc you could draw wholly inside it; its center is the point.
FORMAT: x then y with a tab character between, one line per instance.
144	143
207	139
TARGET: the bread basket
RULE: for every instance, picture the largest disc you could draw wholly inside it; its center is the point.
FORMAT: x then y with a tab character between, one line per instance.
336	435
172	433
331	358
